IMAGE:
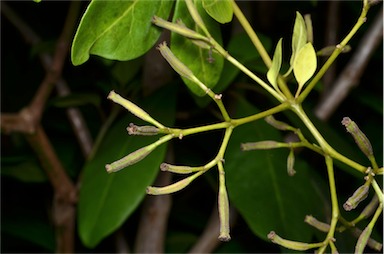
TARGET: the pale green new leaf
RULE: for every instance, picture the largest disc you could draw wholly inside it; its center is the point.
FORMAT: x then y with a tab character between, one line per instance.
305	65
273	72
299	38
119	30
220	10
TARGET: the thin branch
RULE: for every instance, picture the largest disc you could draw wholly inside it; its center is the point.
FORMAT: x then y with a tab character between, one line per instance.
27	121
351	74
65	192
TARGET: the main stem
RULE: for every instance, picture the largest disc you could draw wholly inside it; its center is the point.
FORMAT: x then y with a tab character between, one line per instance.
328	150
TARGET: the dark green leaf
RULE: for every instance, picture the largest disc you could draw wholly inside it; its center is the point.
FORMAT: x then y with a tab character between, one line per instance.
262	191
23	168
28	227
194	57
106	200
119	30
220	10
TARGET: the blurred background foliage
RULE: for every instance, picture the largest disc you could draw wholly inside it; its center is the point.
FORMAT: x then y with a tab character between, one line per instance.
26	225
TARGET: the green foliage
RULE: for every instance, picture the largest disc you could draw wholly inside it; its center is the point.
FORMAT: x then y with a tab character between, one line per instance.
304	65
220	10
106	24
273	72
231	67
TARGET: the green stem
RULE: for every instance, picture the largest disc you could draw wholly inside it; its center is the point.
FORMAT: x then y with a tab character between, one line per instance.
283	106
223	147
324	145
378	190
335	204
249	73
259	46
334	55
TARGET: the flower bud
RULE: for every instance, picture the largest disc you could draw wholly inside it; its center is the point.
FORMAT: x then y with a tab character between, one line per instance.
133	109
290	163
327	51
180	68
179	28
173	187
359	195
142	130
262	145
135	156
363	240
223	207
130	159
372	243
278	124
175	63
179	169
361	140
324	227
293	245
370	208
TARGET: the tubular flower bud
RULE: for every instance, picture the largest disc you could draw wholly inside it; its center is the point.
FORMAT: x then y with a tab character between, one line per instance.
173	187
290	163
293	245
180	68
142	130
324	227
179	169
361	140
359	195
363	240
262	145
134	109
135	156
370	208
175	63
223	207
179	28
278	124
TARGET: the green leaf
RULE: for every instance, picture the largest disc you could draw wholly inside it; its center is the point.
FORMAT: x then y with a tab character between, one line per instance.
194	57
23	168
299	37
273	72
260	188
27	226
220	10
106	200
120	30
305	65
